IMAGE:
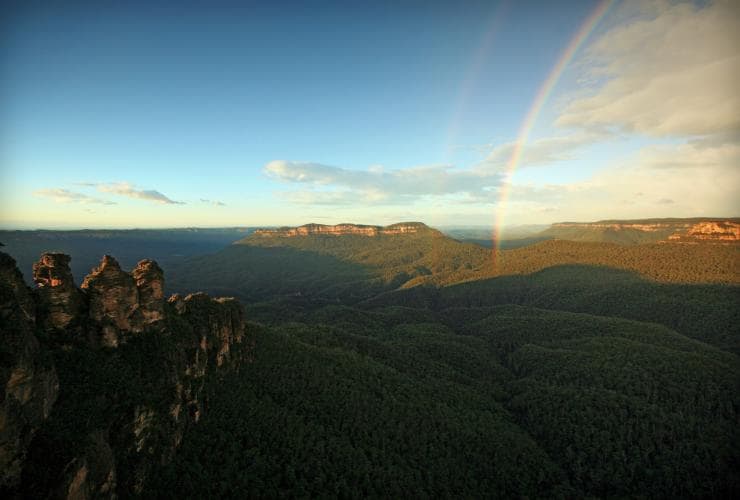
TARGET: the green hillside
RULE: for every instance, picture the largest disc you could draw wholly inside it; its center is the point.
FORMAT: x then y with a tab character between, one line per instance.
414	365
348	268
519	401
352	268
417	365
588	233
708	313
424	256
665	262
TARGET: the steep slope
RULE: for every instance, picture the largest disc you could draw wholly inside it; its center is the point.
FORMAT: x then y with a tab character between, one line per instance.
406	253
116	381
349	263
662	262
707	313
29	380
346	262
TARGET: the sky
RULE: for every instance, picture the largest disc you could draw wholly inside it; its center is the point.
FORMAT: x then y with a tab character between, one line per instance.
212	114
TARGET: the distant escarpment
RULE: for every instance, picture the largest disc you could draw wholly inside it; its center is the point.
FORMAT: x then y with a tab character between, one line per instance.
343	229
711	231
102	382
705	230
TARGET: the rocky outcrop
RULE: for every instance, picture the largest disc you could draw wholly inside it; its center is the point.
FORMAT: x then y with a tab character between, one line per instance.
623	226
217	325
216	330
93	473
343	229
166	347
113	302
120	303
711	231
29	382
723	231
149	279
60	302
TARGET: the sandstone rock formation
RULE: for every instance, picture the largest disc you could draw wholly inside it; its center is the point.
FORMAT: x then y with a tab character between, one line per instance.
120	303
177	344
217	325
113	302
710	231
723	231
343	229
29	383
150	283
623	226
93	473
60	302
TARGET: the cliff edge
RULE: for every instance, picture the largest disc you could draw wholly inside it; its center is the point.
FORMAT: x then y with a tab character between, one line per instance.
343	229
102	382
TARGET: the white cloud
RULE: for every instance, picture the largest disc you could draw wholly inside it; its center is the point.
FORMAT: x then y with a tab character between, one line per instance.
691	155
682	180
545	151
663	70
126	189
65	196
336	185
215	203
670	70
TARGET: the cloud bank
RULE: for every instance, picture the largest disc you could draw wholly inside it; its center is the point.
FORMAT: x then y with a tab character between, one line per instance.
336	186
672	70
66	196
126	189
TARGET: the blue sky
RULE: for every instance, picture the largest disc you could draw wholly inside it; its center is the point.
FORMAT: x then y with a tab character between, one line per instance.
151	115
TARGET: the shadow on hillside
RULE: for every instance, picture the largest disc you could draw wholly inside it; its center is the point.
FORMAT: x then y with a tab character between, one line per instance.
704	312
256	274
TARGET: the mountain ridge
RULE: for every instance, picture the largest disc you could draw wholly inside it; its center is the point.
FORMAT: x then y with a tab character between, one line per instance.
342	229
721	230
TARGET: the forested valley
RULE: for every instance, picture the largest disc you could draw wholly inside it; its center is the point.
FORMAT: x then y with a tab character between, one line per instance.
403	365
409	366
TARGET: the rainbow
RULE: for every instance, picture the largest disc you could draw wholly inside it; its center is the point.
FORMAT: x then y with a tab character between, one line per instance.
534	110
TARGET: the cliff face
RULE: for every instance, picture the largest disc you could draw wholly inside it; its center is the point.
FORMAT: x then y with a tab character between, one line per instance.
343	229
61	303
623	226
711	231
29	383
133	370
121	304
724	231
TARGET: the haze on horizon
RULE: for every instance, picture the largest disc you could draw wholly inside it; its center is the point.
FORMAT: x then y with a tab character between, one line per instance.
145	115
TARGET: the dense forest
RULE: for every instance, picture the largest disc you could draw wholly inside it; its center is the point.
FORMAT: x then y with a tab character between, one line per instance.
508	400
417	365
414	366
352	268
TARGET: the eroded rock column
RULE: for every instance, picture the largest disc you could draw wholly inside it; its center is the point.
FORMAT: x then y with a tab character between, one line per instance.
113	302
149	279
61	304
